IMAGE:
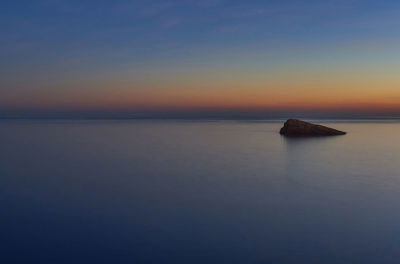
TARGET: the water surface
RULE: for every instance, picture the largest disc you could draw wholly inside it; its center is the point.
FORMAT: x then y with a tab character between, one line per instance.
197	192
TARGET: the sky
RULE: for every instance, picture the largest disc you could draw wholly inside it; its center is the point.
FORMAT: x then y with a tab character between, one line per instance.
212	57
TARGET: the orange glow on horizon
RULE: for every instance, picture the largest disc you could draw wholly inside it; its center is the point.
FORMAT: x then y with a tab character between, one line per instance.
278	93
238	101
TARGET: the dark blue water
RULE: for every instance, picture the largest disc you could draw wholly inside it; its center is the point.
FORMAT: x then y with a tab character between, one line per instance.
197	192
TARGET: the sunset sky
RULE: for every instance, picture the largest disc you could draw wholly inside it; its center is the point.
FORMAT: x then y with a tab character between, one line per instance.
169	56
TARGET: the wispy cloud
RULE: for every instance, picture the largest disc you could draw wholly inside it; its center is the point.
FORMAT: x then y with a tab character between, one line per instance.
228	29
145	9
64	6
170	22
206	3
247	12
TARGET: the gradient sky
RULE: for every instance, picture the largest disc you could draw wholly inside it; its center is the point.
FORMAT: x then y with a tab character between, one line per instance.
183	55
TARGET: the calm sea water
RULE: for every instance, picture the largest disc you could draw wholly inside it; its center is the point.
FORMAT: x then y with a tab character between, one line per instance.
197	192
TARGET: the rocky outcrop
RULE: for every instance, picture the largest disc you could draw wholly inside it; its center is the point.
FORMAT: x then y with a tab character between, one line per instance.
298	128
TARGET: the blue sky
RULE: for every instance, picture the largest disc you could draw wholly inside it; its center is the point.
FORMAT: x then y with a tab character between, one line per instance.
59	47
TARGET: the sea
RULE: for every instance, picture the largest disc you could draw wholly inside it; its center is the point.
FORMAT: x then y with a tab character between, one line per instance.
198	191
